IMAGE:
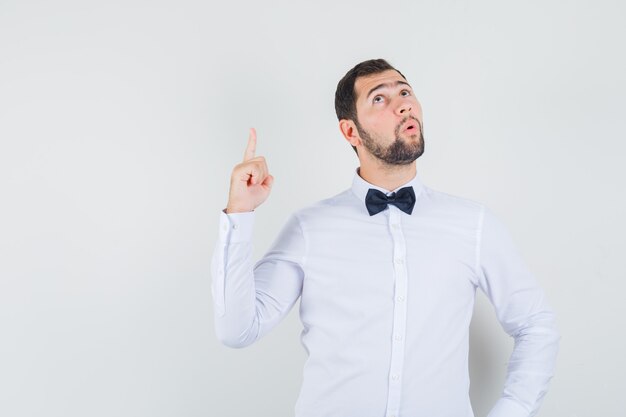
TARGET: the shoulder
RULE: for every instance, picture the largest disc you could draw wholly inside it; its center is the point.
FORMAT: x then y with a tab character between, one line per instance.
340	205
450	205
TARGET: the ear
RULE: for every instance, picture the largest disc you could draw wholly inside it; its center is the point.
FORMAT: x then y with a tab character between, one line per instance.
349	132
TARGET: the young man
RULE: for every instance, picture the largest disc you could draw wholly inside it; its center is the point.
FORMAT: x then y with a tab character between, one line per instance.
387	272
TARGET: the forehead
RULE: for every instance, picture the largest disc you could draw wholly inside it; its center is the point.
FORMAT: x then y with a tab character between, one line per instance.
363	85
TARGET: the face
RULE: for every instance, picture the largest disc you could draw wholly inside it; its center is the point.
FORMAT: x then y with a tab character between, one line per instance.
389	118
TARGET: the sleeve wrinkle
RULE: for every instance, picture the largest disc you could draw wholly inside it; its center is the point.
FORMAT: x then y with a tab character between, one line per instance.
304	240
479	235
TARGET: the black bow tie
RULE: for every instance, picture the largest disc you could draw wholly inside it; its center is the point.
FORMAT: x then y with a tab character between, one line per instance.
376	201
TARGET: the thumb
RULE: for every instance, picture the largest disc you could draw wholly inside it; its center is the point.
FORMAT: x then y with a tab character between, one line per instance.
269	181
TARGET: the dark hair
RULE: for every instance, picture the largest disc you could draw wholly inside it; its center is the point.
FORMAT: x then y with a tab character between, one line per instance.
345	97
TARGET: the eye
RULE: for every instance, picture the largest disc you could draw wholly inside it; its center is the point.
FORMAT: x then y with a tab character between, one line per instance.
405	93
377	99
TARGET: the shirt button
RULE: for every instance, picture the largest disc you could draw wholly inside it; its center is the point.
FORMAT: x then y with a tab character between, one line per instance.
400	298
395	377
235	226
399	261
395	226
398	337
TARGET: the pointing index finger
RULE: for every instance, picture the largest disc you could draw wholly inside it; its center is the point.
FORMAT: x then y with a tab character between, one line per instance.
251	147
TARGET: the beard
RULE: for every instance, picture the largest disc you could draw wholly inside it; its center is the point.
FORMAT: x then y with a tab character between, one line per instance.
400	151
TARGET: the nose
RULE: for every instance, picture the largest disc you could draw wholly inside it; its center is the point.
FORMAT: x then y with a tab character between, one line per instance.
404	107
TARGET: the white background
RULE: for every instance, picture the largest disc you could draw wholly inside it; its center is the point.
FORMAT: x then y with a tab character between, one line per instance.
120	122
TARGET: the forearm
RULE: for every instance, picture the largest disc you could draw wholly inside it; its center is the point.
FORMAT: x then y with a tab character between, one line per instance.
233	286
524	314
250	299
530	368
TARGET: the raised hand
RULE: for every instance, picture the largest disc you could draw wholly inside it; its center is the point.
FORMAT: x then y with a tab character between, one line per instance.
250	182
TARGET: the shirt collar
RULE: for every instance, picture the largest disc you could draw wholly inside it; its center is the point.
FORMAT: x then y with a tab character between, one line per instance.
360	186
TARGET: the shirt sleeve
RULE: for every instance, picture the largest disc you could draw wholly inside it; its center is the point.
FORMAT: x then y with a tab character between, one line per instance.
523	312
250	299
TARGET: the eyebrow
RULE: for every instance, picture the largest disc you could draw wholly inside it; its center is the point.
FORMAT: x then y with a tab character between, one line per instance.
387	85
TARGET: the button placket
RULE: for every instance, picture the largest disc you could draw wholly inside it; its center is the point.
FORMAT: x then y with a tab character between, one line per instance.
399	312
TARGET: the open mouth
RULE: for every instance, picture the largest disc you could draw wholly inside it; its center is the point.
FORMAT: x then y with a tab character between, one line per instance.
410	127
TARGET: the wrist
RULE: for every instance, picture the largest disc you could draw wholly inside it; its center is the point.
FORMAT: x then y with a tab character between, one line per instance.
230	210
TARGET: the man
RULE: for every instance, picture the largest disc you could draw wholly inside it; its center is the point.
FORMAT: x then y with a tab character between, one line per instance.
387	272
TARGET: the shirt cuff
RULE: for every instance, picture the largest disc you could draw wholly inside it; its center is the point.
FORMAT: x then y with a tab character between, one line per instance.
505	407
236	227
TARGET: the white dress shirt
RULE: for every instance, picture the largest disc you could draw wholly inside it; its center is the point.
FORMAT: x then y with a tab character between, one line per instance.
386	303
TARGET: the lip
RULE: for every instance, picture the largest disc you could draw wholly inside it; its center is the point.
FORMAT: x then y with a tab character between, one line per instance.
410	126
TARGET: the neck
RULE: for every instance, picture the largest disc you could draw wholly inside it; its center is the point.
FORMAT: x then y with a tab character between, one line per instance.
387	176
